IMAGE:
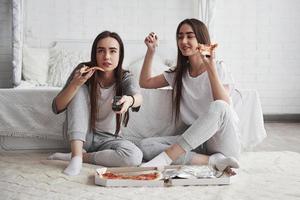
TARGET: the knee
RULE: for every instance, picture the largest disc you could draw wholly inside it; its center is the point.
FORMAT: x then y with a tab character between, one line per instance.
144	147
219	106
133	158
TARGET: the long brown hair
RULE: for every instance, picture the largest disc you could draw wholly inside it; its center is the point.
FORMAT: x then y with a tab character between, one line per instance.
182	65
94	86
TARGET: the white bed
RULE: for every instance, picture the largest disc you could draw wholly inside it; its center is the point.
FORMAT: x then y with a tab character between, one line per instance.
26	119
27	125
27	122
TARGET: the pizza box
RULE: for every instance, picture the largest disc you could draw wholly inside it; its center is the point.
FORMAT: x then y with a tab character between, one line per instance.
163	180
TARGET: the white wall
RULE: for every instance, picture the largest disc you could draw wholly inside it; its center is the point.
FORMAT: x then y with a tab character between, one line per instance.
5	44
81	19
258	39
133	20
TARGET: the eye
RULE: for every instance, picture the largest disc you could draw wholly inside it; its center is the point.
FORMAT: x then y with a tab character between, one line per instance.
180	37
191	36
100	50
113	51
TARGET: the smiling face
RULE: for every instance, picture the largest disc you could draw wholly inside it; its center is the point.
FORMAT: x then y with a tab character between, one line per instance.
187	41
108	53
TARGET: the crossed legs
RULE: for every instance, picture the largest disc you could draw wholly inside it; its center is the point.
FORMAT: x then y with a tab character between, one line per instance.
217	129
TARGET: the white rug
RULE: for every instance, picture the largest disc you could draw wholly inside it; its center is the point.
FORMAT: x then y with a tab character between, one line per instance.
263	175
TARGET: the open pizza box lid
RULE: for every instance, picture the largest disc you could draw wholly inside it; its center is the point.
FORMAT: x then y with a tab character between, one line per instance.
165	176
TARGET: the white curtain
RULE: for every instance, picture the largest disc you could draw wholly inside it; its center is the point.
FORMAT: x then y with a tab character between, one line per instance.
206	13
17	12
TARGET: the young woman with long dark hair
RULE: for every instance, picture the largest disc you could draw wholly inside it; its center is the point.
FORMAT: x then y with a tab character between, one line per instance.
201	98
88	96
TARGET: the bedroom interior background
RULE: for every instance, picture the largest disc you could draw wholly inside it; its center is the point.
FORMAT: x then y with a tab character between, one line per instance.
29	29
255	25
37	41
251	32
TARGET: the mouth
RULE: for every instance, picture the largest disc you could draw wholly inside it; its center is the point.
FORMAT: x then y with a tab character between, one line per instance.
185	48
106	64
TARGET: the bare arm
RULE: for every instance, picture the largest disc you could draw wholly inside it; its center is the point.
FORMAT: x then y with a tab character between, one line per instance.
127	101
146	81
66	95
219	91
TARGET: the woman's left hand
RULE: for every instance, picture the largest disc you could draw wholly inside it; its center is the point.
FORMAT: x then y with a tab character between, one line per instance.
127	102
207	55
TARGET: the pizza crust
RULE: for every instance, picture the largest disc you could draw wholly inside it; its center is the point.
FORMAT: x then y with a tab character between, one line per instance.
206	50
86	69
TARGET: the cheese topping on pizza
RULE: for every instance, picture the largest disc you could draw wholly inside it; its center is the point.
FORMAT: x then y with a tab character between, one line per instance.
206	49
144	176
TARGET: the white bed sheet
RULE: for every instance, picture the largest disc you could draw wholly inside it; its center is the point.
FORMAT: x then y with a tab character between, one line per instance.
26	112
154	118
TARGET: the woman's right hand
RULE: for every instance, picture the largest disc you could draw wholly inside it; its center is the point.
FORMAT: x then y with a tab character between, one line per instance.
151	41
80	78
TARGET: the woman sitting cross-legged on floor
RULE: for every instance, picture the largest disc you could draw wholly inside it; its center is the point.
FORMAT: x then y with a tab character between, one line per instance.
200	98
88	96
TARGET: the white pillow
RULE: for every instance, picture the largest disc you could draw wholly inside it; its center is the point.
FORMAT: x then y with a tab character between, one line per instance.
62	62
35	64
158	66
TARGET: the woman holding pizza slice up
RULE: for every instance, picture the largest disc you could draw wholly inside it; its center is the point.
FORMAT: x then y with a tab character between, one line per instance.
201	99
93	121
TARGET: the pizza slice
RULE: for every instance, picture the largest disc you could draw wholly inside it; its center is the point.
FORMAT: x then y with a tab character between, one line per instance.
206	50
145	175
86	69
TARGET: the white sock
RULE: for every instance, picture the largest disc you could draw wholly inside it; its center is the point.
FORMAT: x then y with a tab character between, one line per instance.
220	162
160	160
74	166
60	156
